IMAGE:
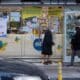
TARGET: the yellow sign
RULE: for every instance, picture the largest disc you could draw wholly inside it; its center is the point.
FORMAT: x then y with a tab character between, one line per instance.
31	11
55	11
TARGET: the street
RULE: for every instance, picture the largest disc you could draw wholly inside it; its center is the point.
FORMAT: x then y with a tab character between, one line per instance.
51	70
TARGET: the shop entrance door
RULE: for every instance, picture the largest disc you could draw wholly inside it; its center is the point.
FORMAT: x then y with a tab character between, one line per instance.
71	21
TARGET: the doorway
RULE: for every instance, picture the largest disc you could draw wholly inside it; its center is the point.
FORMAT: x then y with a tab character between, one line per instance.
70	22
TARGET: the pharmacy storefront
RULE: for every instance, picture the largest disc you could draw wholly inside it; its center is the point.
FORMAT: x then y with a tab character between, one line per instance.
24	27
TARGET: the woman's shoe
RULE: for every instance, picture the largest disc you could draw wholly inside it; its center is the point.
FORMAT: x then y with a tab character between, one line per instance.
46	63
49	61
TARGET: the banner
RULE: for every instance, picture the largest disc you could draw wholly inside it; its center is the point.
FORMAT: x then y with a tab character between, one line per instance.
37	44
3	27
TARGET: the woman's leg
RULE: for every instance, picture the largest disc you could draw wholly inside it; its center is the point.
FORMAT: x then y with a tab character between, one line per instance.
73	57
48	59
43	58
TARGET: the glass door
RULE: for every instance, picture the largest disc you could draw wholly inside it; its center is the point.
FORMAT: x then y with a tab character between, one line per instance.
70	22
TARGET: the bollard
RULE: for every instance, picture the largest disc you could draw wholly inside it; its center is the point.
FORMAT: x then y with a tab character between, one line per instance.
60	71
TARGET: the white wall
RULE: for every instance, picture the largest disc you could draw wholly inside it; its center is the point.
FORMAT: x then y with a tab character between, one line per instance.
24	47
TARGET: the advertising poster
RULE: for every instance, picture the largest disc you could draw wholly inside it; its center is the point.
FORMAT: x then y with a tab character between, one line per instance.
15	16
3	27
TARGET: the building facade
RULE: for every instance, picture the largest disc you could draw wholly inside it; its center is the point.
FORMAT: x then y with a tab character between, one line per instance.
24	22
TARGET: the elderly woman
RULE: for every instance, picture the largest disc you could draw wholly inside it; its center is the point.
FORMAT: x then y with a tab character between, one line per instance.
47	46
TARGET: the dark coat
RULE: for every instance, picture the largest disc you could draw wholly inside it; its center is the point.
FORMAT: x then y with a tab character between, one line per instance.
75	41
47	43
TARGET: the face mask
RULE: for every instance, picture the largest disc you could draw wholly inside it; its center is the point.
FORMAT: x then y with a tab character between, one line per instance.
42	36
52	30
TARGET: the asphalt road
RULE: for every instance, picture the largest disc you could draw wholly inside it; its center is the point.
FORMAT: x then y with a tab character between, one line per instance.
16	66
39	69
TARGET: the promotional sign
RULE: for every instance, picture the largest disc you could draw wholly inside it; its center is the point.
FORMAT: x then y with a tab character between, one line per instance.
31	11
15	16
3	27
37	44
